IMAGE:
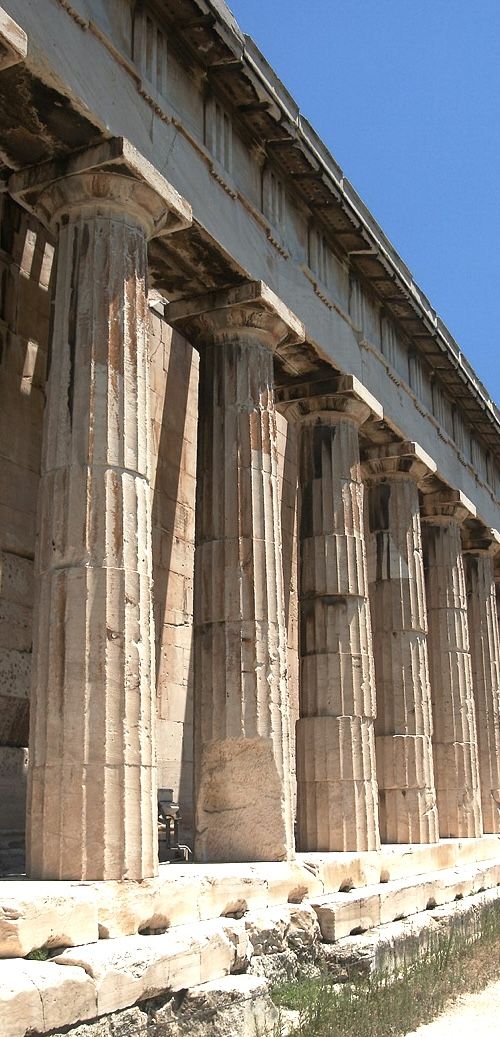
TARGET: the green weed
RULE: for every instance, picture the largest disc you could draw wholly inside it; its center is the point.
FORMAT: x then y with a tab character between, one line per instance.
385	1005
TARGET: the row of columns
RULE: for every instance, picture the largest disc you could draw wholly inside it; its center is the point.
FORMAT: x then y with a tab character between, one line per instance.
430	783
368	764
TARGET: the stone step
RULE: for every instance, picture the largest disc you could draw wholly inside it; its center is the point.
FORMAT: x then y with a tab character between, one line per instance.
343	870
108	976
33	915
95	980
388	949
358	910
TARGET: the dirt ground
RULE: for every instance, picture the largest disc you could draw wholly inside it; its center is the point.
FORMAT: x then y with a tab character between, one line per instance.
471	1015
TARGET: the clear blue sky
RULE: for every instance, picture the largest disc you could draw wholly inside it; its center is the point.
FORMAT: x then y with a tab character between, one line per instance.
406	95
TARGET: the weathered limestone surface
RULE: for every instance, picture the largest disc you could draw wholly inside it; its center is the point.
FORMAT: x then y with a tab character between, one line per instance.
234	1006
38	996
45	914
277	942
282	945
130	1022
360	909
481	546
242	738
454	716
92	726
38	914
131	969
336	785
397	594
395	945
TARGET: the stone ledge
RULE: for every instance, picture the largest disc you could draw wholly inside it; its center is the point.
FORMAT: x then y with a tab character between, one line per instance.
94	980
45	914
392	946
61	914
38	996
341	914
235	1005
131	969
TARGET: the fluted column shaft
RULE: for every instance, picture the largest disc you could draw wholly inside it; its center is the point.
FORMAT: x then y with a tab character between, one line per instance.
337	801
454	716
242	736
405	771
92	790
485	654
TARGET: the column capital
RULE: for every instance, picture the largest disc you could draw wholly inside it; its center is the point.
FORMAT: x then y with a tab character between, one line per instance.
334	398
109	176
446	505
478	538
13	41
250	312
396	459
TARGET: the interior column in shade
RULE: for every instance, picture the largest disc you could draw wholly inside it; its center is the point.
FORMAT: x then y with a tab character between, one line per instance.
242	737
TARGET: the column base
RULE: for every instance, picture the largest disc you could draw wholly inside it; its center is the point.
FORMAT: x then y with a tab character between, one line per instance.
233	822
336	788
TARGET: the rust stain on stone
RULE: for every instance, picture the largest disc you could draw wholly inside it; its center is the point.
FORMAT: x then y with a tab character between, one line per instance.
323	438
255	439
117	520
378	507
266	434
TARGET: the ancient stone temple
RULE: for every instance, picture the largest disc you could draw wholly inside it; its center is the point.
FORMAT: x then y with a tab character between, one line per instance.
249	502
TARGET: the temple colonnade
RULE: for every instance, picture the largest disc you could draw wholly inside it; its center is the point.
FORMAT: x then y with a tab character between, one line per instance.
398	738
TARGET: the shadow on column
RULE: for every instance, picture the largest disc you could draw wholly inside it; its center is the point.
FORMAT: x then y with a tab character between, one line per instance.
26	289
288	508
173	534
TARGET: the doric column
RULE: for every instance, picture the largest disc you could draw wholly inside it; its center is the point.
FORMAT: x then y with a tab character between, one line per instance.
336	769
242	751
92	790
455	736
480	547
407	798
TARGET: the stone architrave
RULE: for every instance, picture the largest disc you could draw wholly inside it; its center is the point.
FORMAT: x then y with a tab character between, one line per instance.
481	546
405	771
92	786
242	740
455	736
337	806
13	41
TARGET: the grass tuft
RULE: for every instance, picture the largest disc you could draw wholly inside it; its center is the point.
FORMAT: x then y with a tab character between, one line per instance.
39	954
